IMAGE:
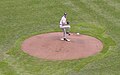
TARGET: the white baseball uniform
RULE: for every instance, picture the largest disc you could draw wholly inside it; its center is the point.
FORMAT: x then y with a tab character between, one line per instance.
64	26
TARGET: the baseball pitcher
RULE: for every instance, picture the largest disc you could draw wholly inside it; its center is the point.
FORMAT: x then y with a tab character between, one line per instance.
65	26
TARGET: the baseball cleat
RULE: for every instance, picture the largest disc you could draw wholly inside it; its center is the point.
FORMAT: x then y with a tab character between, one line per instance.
62	39
66	39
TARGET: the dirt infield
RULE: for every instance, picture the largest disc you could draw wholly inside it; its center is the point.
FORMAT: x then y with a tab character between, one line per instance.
49	46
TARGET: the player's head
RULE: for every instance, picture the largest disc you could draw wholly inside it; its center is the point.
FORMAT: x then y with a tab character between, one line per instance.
65	14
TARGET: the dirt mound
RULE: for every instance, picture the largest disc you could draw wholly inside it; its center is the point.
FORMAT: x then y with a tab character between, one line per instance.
49	46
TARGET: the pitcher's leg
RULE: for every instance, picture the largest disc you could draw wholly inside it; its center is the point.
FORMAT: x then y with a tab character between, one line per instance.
67	27
64	28
64	33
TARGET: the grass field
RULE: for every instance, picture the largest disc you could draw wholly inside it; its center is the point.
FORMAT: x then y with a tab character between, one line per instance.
20	19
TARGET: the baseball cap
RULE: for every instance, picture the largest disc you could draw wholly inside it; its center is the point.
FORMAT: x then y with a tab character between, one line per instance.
65	13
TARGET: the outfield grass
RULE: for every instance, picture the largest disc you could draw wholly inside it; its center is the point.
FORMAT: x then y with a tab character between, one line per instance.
20	19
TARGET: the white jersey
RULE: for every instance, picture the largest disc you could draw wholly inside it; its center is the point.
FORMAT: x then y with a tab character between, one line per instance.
63	20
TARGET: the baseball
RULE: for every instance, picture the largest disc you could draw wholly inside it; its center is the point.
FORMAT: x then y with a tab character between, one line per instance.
78	33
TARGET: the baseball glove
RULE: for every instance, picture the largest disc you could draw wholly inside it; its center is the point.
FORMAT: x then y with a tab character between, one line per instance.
68	22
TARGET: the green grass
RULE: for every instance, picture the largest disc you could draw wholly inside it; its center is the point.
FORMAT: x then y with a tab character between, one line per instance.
20	19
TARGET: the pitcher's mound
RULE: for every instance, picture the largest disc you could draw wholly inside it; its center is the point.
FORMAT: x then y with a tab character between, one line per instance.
49	46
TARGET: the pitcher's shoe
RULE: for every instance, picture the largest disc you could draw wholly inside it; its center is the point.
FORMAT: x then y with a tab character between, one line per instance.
66	39
62	39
